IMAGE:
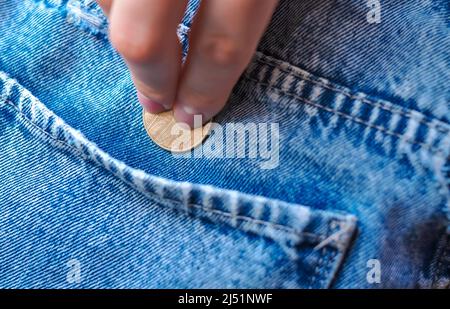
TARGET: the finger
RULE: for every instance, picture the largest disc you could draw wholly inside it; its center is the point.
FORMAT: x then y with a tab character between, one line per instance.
105	5
224	37
145	33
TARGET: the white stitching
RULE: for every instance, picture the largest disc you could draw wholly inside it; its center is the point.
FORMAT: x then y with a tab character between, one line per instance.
439	152
381	105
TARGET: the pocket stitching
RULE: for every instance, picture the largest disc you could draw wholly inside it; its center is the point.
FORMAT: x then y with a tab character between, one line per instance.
265	72
313	237
279	65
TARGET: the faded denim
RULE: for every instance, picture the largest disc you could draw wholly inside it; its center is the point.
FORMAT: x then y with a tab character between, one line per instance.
363	173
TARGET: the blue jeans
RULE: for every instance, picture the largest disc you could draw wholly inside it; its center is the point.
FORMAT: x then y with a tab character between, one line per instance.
358	197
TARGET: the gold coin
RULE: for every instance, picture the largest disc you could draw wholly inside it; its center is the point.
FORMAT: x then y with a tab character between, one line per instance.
170	135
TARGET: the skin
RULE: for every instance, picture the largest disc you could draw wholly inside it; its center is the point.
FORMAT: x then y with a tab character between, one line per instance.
223	39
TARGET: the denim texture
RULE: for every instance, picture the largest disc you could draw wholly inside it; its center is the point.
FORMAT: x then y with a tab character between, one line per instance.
363	170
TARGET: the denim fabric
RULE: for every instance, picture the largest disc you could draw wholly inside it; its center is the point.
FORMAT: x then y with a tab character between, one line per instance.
363	174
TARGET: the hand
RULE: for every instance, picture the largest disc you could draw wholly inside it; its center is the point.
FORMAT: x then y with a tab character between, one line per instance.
223	38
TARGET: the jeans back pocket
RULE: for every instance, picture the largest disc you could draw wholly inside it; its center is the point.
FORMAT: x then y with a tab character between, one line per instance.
128	228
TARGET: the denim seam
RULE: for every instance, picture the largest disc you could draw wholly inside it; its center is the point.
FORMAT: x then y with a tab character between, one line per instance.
440	173
330	257
88	16
438	152
327	258
314	237
319	265
83	14
325	266
329	276
260	57
267	71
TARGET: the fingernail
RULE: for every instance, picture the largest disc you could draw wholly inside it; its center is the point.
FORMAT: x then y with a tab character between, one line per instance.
187	115
150	105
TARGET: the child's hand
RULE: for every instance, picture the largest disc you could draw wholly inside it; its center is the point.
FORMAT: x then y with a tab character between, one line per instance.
223	39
